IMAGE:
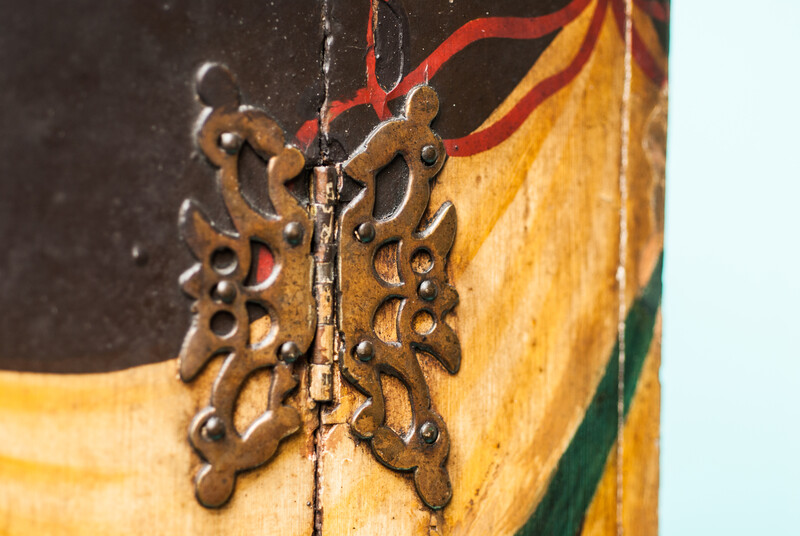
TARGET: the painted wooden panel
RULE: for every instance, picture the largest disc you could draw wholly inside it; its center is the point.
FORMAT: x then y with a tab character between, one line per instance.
553	115
548	223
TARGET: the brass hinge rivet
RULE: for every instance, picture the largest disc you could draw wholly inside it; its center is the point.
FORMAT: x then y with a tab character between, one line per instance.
365	350
293	233
289	352
429	432
224	291
230	142
365	232
213	429
427	290
429	155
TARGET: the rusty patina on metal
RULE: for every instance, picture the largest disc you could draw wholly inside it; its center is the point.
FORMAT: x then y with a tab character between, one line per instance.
423	289
225	285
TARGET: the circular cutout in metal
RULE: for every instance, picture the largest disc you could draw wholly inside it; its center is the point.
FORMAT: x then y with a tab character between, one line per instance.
223	324
224	260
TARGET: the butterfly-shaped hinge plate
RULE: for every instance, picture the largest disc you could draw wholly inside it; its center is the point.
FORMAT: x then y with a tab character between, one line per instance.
252	319
421	292
227	284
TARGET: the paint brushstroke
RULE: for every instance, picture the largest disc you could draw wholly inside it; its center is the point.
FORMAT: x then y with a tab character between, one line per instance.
578	473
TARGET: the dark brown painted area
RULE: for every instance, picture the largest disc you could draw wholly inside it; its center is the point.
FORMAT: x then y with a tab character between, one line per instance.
97	108
470	86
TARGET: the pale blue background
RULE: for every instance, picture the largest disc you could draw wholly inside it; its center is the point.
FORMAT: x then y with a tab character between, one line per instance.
731	365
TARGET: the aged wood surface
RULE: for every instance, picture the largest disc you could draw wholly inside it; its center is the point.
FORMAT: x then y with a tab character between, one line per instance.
107	454
558	248
535	261
640	463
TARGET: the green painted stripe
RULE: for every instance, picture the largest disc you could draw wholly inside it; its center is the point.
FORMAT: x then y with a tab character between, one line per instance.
562	510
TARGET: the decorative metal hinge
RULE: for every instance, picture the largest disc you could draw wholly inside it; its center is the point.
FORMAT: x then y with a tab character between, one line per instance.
255	318
228	291
422	294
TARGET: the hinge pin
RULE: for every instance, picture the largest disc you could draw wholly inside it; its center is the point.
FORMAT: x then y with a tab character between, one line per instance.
323	201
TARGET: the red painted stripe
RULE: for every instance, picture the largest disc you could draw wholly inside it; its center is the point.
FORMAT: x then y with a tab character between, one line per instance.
642	56
499	131
499	27
472	31
308	131
654	8
490	27
375	93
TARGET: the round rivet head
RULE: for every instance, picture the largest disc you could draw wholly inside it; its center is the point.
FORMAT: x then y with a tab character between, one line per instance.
365	232
427	290
429	432
230	142
429	155
289	352
365	350
213	429
225	291
293	233
139	255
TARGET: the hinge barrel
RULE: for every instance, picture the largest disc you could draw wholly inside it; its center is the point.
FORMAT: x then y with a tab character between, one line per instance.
323	202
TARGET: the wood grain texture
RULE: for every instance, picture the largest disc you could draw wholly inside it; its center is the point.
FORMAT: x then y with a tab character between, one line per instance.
106	454
639	471
535	263
640	462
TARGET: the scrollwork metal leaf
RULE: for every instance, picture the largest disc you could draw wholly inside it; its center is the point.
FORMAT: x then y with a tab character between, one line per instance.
424	291
222	288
